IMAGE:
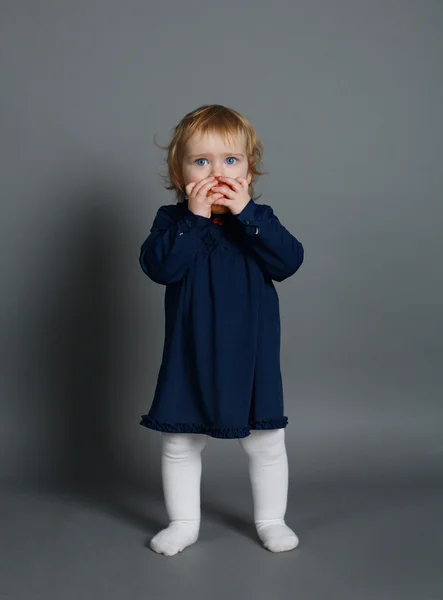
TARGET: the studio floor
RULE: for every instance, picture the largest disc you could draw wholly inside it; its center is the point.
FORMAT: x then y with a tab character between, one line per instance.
380	541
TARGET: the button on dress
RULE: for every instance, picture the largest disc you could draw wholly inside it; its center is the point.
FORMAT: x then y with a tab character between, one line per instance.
220	370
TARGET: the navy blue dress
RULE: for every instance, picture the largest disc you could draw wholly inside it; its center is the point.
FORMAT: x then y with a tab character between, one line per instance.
220	372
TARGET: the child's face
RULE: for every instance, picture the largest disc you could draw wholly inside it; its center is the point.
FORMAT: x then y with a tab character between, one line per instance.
208	154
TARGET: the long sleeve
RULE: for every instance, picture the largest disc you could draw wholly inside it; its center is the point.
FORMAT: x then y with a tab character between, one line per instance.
277	251
167	252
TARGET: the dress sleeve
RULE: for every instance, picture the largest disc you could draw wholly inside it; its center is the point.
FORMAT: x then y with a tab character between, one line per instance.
276	250
166	253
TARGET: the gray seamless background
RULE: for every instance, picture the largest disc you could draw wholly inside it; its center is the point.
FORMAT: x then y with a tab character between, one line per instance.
347	97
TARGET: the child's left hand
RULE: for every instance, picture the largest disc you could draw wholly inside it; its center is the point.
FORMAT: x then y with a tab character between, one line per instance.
236	194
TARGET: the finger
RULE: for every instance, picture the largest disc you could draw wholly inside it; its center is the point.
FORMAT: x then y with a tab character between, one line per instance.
198	186
202	183
207	189
212	199
243	182
223	201
232	182
190	187
201	189
227	191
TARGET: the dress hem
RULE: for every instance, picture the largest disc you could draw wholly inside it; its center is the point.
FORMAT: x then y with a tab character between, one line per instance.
216	432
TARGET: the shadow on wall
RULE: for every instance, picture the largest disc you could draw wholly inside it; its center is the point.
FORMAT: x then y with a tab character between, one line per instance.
88	360
81	361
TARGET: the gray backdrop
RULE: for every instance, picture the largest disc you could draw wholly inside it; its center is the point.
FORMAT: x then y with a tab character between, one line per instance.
347	97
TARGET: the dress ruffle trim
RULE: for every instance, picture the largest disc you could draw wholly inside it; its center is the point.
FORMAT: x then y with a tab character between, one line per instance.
271	424
216	432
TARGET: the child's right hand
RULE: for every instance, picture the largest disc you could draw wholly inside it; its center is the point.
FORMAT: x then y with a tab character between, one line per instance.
199	203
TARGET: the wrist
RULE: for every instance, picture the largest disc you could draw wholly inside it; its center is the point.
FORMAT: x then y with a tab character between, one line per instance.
200	211
247	210
204	214
196	219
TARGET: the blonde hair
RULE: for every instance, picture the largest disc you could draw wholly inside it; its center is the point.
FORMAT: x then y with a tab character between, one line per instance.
217	119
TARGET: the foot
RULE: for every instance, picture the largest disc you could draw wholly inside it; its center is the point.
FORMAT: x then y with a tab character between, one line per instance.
276	535
176	537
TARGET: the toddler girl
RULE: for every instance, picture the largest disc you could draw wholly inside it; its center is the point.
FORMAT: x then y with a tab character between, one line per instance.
218	253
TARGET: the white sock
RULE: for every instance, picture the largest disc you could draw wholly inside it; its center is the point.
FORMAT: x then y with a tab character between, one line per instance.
181	474
268	470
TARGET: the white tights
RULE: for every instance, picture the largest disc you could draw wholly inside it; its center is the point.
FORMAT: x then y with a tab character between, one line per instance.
181	473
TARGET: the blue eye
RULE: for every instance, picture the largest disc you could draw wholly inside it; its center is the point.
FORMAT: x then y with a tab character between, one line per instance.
230	158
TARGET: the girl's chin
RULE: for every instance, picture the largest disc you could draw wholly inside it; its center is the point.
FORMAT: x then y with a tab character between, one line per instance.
219	209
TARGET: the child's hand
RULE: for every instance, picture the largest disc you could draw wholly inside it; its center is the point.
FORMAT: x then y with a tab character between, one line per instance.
199	203
235	194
